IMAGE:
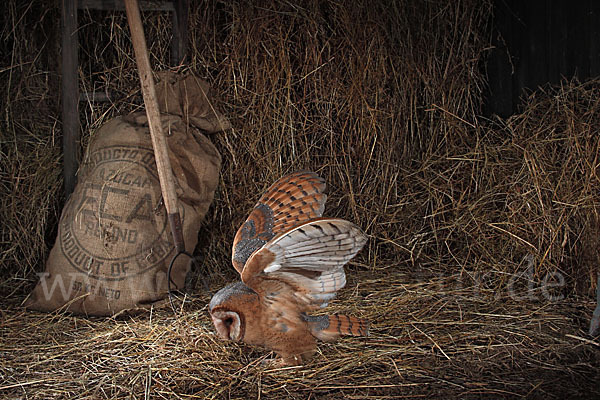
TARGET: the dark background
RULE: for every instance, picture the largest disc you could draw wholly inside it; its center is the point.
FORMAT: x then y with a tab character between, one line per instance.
538	42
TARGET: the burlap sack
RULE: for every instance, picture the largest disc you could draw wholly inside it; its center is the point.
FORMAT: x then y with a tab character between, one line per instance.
114	243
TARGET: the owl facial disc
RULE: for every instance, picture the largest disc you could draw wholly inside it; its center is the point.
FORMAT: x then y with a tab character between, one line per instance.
227	324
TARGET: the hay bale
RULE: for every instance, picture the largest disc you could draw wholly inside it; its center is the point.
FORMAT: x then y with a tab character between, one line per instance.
359	93
553	200
30	160
519	210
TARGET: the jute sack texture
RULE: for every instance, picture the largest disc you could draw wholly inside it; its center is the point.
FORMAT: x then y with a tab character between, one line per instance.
114	243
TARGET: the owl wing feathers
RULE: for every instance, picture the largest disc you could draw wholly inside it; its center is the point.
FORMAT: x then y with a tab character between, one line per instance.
310	258
292	261
292	200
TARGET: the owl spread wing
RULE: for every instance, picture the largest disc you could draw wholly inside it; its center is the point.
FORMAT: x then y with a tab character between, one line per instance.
308	259
292	200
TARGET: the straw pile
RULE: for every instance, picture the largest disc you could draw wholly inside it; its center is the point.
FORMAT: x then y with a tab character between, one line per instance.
483	246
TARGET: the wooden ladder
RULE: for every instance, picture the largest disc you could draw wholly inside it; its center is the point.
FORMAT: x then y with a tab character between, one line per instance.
70	64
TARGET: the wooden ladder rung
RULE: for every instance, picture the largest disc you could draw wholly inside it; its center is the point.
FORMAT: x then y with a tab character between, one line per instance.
97	97
120	5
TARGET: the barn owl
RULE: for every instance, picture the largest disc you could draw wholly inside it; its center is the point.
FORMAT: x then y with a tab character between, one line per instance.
291	262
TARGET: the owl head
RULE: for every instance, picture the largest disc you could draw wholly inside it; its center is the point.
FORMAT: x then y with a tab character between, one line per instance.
228	308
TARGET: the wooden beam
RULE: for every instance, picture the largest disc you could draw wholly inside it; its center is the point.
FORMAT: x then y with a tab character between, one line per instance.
70	94
120	5
97	97
180	32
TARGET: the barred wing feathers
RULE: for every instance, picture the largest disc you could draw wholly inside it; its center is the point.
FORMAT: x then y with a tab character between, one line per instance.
310	257
292	200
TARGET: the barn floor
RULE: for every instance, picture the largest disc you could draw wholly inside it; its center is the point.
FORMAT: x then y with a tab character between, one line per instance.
431	338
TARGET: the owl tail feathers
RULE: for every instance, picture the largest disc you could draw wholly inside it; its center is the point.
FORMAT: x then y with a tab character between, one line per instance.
331	327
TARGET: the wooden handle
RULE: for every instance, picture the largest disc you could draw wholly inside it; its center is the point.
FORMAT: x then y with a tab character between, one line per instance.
159	142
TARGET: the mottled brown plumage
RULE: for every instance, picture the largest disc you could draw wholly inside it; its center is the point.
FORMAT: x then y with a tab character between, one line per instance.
293	199
291	261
